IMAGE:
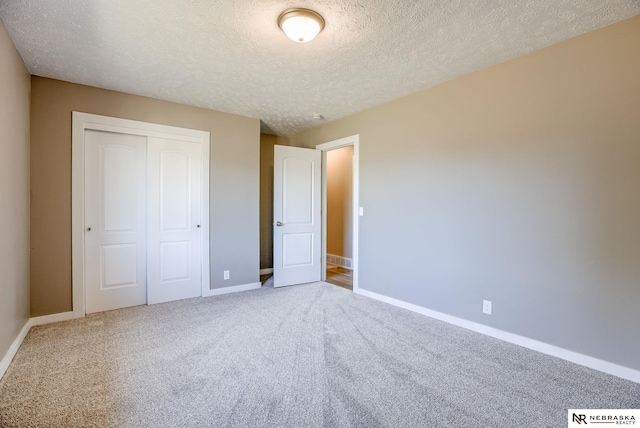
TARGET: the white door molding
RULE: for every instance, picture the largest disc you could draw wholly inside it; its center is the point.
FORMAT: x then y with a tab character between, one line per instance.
86	121
353	140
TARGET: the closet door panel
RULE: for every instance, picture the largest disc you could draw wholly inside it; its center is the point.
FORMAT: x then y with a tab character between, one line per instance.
174	213
115	220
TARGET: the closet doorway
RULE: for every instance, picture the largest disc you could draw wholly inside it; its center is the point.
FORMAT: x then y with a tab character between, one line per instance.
140	213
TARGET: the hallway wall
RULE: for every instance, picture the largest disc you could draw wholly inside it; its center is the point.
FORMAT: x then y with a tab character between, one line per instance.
339	201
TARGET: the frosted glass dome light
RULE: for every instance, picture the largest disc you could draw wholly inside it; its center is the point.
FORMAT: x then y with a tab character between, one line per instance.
301	25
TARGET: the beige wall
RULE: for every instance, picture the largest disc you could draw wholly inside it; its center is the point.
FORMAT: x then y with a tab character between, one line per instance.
517	184
266	197
339	201
15	88
234	187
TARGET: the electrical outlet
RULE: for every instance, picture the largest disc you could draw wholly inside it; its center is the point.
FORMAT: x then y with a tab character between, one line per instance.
226	274
486	307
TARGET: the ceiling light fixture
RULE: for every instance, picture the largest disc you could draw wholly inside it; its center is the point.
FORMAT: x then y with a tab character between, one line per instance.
300	25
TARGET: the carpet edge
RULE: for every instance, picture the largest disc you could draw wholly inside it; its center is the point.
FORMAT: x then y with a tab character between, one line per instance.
535	345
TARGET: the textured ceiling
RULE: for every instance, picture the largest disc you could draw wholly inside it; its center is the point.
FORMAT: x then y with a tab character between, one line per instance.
230	55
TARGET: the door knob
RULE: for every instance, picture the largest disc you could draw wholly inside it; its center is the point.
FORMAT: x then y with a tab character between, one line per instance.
279	223
88	229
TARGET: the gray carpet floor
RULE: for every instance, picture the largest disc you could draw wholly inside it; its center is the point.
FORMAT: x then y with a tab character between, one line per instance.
313	355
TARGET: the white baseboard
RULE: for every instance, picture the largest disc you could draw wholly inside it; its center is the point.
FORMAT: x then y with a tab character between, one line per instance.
31	322
574	357
48	319
13	349
266	271
233	289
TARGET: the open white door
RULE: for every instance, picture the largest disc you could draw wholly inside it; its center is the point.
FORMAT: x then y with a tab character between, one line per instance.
296	215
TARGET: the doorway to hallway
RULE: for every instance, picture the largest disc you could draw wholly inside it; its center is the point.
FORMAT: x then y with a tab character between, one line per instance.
300	201
339	216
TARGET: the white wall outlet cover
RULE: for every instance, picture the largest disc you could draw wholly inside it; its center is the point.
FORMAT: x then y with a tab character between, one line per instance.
486	307
361	211
226	274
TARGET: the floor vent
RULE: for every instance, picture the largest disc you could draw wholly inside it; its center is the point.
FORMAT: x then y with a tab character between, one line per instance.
344	262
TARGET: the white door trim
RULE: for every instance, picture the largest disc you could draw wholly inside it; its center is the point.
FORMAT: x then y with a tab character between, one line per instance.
354	141
86	121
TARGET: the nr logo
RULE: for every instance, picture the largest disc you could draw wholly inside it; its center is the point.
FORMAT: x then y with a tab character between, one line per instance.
580	419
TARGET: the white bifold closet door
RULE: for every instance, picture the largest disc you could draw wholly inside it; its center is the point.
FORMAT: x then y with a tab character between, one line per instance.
143	200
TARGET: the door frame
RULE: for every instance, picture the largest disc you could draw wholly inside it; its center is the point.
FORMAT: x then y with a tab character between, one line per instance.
86	121
353	140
